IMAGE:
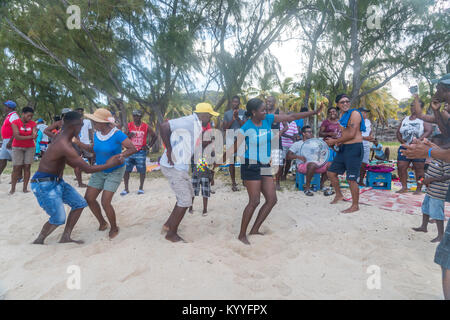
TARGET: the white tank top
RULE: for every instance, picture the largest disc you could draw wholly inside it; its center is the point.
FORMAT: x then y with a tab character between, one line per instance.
411	129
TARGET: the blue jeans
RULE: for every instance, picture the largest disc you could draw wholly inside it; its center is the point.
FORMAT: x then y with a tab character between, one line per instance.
433	208
139	160
52	195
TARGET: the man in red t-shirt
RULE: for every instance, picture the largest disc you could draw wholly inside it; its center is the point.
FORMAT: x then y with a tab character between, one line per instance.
5	150
139	133
23	147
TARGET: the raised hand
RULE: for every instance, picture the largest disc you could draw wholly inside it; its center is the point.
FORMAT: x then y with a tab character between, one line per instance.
435	104
321	106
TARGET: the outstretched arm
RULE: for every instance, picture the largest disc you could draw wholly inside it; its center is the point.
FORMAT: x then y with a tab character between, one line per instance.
297	116
75	161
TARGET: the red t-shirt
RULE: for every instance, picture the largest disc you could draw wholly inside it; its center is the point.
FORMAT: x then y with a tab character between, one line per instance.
24	130
7	132
140	134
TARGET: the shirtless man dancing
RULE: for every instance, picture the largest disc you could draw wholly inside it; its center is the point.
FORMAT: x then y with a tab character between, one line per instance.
51	191
350	154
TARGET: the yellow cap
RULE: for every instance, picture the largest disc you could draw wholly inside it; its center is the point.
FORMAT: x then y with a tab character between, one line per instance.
205	107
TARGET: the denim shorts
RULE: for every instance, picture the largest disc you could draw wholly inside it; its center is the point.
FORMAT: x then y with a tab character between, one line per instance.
52	195
109	181
139	160
442	256
433	208
401	157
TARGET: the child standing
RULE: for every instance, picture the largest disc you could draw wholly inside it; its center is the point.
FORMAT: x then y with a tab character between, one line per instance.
436	180
202	176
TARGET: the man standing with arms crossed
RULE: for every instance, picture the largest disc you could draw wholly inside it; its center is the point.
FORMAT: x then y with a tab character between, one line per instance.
233	119
139	133
350	154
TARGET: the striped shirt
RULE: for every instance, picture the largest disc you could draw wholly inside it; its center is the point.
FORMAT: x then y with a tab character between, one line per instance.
286	142
437	169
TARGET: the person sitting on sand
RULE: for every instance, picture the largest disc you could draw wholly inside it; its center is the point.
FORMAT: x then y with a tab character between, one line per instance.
256	171
49	188
179	136
108	142
436	180
349	157
307	168
377	149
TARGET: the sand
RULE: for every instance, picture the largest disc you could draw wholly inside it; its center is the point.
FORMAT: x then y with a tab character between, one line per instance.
310	251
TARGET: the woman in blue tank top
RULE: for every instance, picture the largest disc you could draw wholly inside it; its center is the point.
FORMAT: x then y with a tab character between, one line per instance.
256	170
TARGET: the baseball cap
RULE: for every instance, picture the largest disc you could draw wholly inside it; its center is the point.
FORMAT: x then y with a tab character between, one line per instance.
40	120
137	113
444	80
205	107
10	104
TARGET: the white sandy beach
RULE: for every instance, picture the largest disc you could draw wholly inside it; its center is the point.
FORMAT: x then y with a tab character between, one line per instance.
310	251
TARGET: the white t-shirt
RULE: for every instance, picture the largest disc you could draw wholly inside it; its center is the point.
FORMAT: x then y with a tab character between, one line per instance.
411	129
367	132
84	133
185	132
295	148
41	127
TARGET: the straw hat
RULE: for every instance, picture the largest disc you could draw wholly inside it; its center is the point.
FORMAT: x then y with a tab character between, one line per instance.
101	115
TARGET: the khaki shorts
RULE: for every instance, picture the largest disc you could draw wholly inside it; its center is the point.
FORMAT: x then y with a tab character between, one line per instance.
108	181
180	182
21	156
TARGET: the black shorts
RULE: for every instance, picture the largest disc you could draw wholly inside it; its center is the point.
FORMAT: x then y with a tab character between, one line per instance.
349	158
255	171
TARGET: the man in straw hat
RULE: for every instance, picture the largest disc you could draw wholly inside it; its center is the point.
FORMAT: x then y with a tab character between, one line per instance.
179	136
48	186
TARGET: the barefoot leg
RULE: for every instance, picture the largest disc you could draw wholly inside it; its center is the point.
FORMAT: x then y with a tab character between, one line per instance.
253	190
46	230
91	198
174	221
72	220
423	227
269	193
335	184
354	189
110	212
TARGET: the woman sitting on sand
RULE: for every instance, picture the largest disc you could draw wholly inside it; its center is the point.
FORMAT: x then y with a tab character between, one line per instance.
108	142
256	171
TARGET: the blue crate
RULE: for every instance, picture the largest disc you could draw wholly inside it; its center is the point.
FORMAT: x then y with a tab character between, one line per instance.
379	180
300	179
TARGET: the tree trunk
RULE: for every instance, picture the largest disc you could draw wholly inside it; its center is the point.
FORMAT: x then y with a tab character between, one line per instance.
357	64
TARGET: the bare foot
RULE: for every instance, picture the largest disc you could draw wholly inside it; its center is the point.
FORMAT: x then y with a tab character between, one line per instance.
113	232
234	188
437	239
103	226
420	229
337	199
244	239
205	213
191	210
11	192
256	232
38	241
278	187
26	191
174	238
402	191
68	240
164	229
351	209
82	185
362	184
417	193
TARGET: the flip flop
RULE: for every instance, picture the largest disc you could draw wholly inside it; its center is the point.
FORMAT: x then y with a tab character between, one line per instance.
124	193
309	193
140	192
234	188
328	192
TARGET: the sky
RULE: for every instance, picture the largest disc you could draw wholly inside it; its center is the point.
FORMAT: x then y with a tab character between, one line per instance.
288	56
